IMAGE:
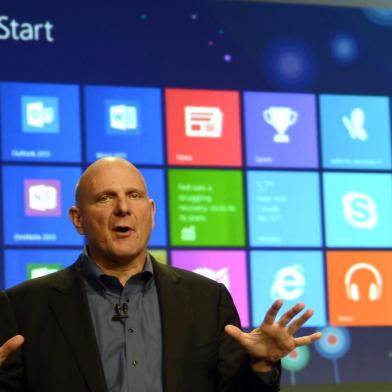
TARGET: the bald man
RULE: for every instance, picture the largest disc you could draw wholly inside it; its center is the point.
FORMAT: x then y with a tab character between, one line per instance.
119	321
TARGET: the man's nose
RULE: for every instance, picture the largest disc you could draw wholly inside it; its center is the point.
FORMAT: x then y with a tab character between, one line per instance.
122	206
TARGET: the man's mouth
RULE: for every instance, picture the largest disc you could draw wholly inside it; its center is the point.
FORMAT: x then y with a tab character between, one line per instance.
122	229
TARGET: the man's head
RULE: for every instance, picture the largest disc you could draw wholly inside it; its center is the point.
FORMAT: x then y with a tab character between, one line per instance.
113	211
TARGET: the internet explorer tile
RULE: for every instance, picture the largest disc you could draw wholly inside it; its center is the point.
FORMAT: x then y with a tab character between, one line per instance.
293	276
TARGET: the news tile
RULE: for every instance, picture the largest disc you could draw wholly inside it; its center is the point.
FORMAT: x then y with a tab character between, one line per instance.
355	131
125	122
358	209
25	264
40	122
223	266
203	127
281	130
155	180
359	288
283	209
206	207
293	276
36	200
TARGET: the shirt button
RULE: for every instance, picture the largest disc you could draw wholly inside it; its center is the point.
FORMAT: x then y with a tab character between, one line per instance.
134	363
130	330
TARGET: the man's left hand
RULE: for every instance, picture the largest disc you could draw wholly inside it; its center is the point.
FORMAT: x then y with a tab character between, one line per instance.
273	340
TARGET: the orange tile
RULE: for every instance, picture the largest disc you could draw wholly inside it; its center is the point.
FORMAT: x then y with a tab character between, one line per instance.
359	288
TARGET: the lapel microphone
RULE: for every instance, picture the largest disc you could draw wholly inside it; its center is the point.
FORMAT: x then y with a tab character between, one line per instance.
121	312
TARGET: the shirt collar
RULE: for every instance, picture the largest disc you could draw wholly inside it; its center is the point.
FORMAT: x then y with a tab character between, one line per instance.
94	275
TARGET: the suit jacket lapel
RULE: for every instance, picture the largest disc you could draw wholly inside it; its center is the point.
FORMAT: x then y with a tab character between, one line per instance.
176	319
70	307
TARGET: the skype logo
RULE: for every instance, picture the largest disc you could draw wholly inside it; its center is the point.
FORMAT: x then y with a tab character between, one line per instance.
360	210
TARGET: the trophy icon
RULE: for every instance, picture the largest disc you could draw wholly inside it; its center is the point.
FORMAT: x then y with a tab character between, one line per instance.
280	118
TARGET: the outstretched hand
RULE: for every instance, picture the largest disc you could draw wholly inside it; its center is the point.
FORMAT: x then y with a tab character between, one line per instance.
273	340
9	347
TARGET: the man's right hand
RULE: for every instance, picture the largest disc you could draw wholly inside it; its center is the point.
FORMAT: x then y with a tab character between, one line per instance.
9	347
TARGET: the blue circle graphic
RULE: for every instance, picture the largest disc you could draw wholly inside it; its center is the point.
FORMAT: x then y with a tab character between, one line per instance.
334	343
290	63
344	48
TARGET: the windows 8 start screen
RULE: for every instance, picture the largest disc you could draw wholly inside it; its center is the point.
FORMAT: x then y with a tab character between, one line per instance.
266	147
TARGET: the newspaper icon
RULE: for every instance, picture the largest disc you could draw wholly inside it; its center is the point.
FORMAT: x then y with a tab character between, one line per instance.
203	121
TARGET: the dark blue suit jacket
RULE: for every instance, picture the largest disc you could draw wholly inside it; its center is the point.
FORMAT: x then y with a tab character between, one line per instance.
60	353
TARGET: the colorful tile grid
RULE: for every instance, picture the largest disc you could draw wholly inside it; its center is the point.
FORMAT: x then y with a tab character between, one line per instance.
283	198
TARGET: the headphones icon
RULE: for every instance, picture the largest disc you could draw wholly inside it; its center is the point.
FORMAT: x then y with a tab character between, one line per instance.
352	289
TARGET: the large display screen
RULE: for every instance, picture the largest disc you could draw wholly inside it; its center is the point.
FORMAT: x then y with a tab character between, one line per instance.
263	131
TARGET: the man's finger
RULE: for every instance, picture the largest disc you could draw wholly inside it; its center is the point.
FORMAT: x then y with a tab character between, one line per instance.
234	332
290	314
10	346
272	312
305	340
300	321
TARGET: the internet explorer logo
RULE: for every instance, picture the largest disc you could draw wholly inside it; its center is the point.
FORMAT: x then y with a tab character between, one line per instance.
40	114
289	283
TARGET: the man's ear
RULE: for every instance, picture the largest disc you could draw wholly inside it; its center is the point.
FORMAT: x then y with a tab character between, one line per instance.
76	219
153	210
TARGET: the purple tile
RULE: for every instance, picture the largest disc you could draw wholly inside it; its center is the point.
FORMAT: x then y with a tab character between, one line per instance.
227	267
281	130
42	197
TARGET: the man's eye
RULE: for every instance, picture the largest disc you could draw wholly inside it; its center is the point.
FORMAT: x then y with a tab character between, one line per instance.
135	195
104	198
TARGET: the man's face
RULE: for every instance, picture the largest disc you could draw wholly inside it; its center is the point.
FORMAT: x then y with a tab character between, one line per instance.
114	212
